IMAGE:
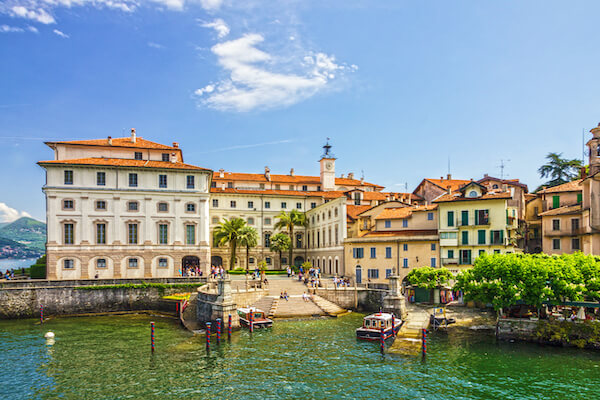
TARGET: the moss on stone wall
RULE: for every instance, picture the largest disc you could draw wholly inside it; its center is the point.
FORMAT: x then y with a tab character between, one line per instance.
581	334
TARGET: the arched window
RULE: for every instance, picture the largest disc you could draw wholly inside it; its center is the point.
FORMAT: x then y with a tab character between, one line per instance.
472	193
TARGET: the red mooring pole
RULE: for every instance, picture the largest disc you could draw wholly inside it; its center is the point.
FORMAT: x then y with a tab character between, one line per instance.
229	328
218	330
208	336
382	340
152	336
177	309
41	314
251	321
424	341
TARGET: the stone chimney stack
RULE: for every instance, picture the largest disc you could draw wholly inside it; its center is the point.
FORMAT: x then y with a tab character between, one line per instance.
133	136
449	176
594	149
173	158
268	173
110	140
221	173
175	144
292	172
351	175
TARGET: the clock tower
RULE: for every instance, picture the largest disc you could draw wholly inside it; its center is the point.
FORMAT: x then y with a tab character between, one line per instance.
327	164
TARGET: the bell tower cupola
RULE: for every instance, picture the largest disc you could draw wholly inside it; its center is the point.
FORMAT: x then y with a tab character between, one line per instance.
594	149
327	164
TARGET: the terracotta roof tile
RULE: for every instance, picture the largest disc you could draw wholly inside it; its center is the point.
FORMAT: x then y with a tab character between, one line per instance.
326	195
403	212
454	184
458	197
288	179
119	142
412	232
574	209
514	182
353	211
124	162
574	186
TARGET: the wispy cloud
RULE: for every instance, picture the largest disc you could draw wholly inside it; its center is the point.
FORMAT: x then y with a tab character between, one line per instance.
10	29
211	4
255	82
155	45
9	214
218	25
245	146
61	34
35	13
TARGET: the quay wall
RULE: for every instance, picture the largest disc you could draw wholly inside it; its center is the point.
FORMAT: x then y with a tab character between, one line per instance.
211	305
556	333
23	299
352	298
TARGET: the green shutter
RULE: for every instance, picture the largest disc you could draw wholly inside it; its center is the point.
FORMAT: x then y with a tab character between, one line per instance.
501	237
491	237
464	218
465	238
476	217
481	237
579	197
555	201
450	218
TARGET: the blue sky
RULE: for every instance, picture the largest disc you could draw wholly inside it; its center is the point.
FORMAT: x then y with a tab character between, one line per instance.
399	86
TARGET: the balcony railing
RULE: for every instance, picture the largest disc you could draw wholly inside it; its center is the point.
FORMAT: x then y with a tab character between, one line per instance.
449	261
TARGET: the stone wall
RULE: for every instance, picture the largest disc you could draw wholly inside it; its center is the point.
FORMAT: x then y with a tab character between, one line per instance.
516	329
351	298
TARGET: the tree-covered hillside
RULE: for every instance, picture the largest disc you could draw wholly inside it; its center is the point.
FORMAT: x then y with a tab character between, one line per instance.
25	235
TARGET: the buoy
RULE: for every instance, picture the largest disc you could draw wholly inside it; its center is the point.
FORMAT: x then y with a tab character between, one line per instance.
49	335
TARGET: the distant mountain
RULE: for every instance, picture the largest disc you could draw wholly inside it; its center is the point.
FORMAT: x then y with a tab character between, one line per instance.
28	233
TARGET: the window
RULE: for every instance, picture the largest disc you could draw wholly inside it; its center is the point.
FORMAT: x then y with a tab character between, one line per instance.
318	188
373	252
267	221
291	187
132	233
358	252
215	220
277	186
450	253
298	206
68	178
190	182
267	204
405	223
162	181
298	241
165	157
163	263
433	262
357	198
304	188
137	155
268	260
232	204
68	264
450	218
481	236
133	180
190	207
163	207
101	205
464	218
555	201
388	252
448	235
100	233
575	244
482	217
575	225
67	204
133	263
163	234
283	205
473	193
405	247
267	240
481	252
250	221
496	237
430	216
555	244
432	246
388	223
132	206
215	203
250	260
405	263
101	263
496	251
313	205
465	238
68	228
213	184
373	273
465	256
388	273
190	234
556	224
251	204
101	178
261	186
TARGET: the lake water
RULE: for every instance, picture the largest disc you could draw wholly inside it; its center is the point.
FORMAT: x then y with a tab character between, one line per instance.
6	263
110	358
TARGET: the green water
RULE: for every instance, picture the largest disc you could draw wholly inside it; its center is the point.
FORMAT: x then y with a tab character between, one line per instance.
109	358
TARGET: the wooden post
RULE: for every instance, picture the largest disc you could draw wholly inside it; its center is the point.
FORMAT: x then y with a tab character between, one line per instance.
152	336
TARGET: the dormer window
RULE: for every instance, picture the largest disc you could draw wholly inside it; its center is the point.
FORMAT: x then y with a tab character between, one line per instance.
165	157
473	193
138	155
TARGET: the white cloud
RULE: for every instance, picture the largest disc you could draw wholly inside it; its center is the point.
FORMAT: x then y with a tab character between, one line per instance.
218	25
32	29
155	45
10	29
61	34
9	214
40	15
211	4
172	4
255	83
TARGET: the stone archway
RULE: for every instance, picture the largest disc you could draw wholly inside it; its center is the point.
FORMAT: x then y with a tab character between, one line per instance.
190	262
298	260
217	261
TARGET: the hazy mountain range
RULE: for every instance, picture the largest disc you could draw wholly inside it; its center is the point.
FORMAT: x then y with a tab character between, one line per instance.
25	237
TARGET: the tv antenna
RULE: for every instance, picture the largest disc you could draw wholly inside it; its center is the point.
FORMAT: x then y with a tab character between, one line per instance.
502	166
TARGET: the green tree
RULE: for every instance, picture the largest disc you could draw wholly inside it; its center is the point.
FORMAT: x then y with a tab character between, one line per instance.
229	233
428	277
248	237
287	221
559	170
280	242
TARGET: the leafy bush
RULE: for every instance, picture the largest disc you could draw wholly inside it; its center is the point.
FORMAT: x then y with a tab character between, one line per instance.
581	335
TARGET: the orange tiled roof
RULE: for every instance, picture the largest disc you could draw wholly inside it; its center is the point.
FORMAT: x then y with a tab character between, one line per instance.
573	209
453	184
353	211
513	182
411	232
289	179
124	162
327	195
574	186
458	197
119	142
403	212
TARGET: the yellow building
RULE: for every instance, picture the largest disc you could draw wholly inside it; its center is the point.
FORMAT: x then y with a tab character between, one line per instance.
476	220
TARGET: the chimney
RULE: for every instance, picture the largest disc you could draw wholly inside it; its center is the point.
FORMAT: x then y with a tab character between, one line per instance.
133	138
221	173
485	175
342	176
449	189
175	144
292	172
267	173
173	158
449	176
110	140
351	175
362	180
223	185
441	178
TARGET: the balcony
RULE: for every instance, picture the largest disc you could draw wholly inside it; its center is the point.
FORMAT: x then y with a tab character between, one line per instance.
449	261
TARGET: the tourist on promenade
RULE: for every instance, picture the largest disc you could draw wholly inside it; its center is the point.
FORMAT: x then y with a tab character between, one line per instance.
305	297
289	271
285	296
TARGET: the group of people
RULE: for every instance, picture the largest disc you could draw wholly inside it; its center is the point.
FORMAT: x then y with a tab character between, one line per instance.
284	295
311	278
192	271
217	272
8	275
341	282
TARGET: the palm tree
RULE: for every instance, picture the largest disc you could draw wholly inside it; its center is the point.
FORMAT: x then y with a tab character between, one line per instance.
561	170
287	221
229	232
280	242
248	237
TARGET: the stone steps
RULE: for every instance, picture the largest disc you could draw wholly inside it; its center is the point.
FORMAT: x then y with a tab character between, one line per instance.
265	304
296	307
327	306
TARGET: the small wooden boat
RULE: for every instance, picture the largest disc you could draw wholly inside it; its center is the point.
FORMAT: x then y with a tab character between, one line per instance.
259	320
372	325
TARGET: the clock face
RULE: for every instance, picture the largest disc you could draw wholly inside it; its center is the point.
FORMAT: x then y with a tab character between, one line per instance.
328	165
